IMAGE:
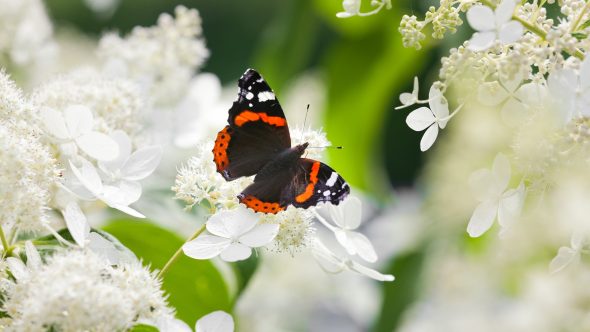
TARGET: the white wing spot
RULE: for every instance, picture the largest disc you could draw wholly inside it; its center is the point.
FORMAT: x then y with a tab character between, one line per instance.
250	87
266	95
332	179
249	95
327	193
250	104
260	80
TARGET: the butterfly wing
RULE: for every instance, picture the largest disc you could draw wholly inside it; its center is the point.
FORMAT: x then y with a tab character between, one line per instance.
307	184
257	130
314	182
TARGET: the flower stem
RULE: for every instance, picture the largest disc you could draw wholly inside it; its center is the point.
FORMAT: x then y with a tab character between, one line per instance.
4	242
178	252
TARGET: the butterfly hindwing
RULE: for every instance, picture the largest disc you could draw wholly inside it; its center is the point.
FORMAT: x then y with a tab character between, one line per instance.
315	182
257	130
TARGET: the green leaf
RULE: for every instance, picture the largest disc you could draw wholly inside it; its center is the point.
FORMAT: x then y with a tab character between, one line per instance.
584	25
143	328
400	294
195	287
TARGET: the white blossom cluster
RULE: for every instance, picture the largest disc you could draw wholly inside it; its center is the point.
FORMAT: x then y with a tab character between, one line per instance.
519	89
353	8
80	290
163	58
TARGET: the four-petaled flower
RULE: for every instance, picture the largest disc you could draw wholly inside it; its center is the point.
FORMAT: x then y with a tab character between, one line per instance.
432	118
73	129
232	236
217	321
409	98
571	91
489	188
493	25
568	255
347	216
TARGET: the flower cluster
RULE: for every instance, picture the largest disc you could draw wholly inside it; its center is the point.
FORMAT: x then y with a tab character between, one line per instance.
521	85
162	58
353	8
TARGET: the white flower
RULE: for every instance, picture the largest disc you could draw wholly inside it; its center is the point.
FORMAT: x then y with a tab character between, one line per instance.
571	91
333	263
232	236
162	58
511	94
432	118
409	98
128	168
295	229
28	170
217	321
76	222
75	128
317	140
489	188
80	291
568	255
198	181
493	25
351	8
347	217
116	197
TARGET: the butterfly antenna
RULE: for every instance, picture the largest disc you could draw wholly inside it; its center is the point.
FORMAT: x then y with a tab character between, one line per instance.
304	122
339	147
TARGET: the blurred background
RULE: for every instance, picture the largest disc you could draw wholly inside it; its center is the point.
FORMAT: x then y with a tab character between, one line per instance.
351	71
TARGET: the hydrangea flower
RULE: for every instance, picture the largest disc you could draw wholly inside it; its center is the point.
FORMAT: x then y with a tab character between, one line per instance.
571	91
232	235
333	263
353	8
217	321
347	217
489	188
409	98
431	118
568	255
493	25
116	197
74	128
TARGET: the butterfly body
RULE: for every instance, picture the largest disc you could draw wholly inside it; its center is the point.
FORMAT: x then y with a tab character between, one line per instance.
257	142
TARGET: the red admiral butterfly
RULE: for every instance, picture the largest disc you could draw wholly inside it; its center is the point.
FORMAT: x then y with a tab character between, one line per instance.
257	142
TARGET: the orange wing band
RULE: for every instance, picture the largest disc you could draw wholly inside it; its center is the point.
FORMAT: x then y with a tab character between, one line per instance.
313	179
260	206
249	116
220	149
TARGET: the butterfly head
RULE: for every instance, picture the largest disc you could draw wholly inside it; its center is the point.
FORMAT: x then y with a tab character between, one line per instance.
301	148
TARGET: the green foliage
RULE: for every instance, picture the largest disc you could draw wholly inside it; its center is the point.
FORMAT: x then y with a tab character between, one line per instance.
400	294
244	271
195	287
143	328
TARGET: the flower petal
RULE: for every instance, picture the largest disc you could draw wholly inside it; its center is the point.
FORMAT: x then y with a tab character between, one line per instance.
514	113
124	143
585	74
565	256
54	123
482	218
77	223
419	119
98	145
504	11
142	163
88	176
235	252
429	137
510	207
205	246
17	268
481	41
491	93
510	32
171	324
260	235
356	243
481	18
217	321
482	185
326	259
439	105
511	85
501	172
373	274
347	214
79	120
33	258
232	224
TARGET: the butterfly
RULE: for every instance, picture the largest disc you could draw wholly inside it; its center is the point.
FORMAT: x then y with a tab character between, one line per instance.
257	142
